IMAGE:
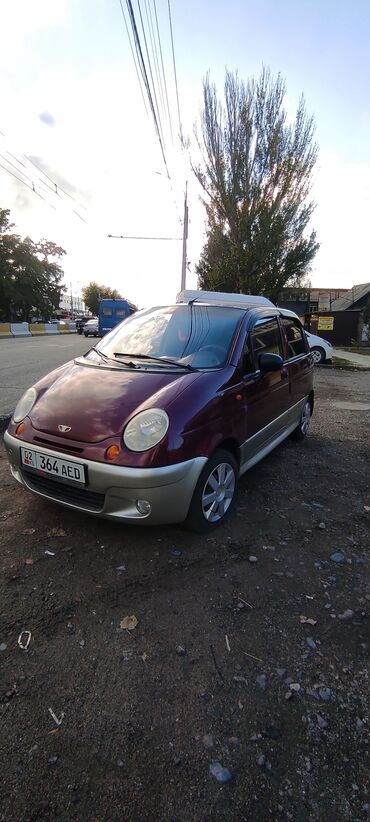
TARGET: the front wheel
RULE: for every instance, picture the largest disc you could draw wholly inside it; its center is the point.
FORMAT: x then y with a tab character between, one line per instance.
214	493
300	432
318	355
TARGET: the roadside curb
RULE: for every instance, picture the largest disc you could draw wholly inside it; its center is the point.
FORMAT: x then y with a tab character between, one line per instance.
4	422
35	334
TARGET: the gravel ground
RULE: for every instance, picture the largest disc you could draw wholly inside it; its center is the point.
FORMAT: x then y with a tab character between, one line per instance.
250	649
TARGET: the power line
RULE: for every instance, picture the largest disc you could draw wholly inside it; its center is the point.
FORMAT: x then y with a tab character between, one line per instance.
163	71
150	70
31	187
126	237
153	43
175	74
145	78
55	188
133	57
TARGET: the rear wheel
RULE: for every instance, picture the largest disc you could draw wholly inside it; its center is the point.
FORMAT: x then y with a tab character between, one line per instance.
86	335
318	355
300	432
214	493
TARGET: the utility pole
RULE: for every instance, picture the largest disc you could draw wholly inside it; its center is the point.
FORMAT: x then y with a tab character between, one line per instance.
71	302
184	240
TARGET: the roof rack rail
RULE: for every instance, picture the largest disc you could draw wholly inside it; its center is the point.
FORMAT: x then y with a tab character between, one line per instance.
222	298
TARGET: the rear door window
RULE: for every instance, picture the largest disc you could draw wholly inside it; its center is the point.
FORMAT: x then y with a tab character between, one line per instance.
265	338
296	337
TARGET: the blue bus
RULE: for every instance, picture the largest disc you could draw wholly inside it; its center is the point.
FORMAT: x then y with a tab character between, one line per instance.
112	312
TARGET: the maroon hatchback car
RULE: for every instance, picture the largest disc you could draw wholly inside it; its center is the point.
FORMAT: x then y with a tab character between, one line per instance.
159	420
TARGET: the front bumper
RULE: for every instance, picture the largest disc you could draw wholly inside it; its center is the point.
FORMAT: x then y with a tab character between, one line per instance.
112	490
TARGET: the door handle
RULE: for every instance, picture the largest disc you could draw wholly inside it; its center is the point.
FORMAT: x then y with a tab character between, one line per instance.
284	374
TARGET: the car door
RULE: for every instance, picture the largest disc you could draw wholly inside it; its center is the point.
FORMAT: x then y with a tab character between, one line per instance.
266	395
297	360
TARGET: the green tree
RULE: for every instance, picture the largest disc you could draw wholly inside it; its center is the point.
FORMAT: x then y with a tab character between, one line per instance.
30	274
93	293
256	175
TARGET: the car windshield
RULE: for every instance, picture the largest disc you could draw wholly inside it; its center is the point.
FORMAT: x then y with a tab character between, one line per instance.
195	335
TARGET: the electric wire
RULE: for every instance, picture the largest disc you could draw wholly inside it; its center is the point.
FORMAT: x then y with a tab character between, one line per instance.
163	71
150	71
31	188
145	78
148	13
127	237
55	188
133	57
175	74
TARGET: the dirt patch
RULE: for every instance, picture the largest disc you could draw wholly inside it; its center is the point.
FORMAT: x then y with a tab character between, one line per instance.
250	647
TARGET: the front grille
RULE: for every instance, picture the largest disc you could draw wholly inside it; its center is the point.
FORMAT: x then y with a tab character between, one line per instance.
59	446
90	500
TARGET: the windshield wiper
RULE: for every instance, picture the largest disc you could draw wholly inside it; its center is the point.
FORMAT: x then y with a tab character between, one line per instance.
155	359
103	356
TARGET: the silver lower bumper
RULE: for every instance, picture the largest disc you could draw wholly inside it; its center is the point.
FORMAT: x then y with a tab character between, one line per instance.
113	490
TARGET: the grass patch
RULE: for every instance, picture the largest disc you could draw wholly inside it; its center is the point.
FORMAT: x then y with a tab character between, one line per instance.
346	365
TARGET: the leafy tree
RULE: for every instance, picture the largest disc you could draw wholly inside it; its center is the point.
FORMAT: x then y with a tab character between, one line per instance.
30	274
93	293
256	175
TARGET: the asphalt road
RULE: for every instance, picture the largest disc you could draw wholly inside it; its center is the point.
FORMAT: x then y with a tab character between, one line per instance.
23	361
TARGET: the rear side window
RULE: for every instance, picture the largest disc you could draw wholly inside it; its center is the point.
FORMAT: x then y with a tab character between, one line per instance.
266	339
295	337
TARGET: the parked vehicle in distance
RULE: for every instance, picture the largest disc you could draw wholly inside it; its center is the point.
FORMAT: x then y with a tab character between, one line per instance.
91	328
321	350
112	312
80	322
157	423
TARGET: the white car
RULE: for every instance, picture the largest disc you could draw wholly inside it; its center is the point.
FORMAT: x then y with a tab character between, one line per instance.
321	350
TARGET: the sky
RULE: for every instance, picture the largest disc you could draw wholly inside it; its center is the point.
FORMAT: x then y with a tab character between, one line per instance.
71	101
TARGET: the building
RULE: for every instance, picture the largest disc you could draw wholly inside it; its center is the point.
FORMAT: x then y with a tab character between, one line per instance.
69	304
307	301
343	323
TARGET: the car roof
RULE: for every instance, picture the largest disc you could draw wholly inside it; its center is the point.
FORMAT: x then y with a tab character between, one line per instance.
222	298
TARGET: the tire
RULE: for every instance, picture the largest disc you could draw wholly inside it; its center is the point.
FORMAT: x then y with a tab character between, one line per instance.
318	355
86	335
203	515
300	432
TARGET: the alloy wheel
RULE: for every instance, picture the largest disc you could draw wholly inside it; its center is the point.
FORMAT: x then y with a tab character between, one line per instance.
218	492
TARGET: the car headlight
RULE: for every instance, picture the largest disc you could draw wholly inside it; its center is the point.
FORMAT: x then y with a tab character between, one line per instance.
24	405
146	430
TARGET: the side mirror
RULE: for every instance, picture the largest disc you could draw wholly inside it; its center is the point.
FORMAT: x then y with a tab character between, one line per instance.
270	362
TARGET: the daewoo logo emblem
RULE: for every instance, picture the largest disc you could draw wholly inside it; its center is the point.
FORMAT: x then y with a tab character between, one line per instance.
64	428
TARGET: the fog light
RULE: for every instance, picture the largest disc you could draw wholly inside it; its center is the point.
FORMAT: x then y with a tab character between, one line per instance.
143	506
20	429
112	452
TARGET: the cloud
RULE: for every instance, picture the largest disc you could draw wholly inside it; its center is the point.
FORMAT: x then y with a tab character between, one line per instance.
47	118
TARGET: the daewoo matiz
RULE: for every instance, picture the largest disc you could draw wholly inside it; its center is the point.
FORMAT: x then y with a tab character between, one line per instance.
159	420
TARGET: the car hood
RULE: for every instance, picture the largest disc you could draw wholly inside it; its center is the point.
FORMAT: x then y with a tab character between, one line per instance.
95	402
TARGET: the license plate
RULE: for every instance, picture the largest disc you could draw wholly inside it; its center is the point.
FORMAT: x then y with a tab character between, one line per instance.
64	470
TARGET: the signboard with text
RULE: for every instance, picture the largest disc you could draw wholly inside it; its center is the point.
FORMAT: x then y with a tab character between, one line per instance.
325	324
